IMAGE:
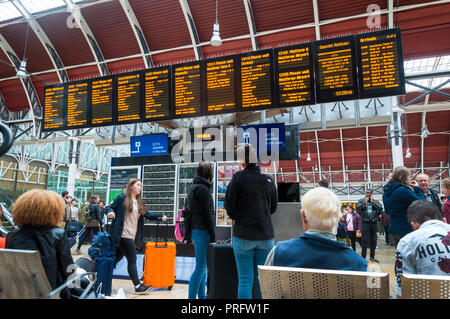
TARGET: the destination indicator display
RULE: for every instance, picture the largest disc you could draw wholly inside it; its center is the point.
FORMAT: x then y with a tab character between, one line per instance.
380	64
77	105
102	101
335	70
157	94
128	98
220	85
257	80
187	89
54	99
294	76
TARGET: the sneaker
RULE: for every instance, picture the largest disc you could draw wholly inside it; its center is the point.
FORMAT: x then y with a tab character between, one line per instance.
374	260
142	289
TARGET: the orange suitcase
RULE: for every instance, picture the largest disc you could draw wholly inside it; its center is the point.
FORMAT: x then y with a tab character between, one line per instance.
159	264
2	242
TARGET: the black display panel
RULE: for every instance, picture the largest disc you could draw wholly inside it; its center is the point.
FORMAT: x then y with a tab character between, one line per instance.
335	70
128	98
380	64
294	76
102	101
157	94
187	89
257	90
54	117
221	89
77	105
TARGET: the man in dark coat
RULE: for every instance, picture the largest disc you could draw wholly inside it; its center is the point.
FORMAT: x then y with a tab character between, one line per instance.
369	209
423	180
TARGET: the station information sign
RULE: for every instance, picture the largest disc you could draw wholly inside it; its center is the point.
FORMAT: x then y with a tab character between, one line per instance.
257	80
380	64
294	76
335	70
187	89
102	101
157	94
221	87
359	66
54	100
128	98
77	105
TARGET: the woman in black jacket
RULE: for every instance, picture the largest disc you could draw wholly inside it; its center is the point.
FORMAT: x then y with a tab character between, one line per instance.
37	212
94	222
250	199
201	206
127	229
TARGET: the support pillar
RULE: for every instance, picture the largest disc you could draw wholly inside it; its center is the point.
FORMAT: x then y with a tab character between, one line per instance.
396	133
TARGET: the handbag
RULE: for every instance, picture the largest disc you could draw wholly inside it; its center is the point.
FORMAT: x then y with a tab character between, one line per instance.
358	234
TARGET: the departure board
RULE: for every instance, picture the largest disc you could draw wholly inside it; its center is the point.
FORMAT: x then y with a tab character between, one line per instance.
294	76
54	100
129	98
221	94
380	64
257	80
102	101
157	93
335	70
77	105
187	89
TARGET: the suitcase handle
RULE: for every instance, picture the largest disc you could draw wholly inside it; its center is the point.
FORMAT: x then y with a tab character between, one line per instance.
157	237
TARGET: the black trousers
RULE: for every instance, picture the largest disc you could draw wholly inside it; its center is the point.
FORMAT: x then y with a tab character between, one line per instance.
126	248
369	238
354	239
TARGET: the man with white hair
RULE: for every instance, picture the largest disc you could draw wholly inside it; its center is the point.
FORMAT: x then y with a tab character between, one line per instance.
317	247
423	180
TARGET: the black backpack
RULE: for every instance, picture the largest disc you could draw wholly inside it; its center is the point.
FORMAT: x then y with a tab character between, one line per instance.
90	213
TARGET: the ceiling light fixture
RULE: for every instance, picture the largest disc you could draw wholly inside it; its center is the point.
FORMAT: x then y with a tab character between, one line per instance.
408	153
22	71
216	41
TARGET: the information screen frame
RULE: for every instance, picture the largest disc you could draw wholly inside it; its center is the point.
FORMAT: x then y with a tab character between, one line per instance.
113	100
88	105
237	85
382	92
116	104
277	77
169	86
202	97
325	96
272	81
64	108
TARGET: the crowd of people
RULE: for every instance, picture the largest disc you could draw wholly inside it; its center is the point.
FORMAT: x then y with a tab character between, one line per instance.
412	216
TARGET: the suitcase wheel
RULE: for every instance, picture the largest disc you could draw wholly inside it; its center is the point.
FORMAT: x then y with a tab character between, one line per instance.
169	288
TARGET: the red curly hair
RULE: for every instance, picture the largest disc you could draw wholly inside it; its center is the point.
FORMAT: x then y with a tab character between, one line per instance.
38	207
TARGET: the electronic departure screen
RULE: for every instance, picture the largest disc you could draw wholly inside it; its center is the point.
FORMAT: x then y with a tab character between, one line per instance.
54	100
335	70
157	93
129	98
380	64
346	68
221	94
256	80
294	76
77	105
187	89
102	101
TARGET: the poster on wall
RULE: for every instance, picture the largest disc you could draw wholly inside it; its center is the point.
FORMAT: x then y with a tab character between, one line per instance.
118	179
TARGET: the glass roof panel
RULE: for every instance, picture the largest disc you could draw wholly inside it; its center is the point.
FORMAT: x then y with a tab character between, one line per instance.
8	11
34	6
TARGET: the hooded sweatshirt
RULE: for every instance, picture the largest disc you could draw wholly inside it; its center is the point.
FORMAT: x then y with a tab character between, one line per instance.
396	199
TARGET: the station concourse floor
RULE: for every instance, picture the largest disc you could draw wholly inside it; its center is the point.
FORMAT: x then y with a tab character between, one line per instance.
384	254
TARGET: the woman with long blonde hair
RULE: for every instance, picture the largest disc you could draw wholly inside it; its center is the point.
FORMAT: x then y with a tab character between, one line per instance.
127	229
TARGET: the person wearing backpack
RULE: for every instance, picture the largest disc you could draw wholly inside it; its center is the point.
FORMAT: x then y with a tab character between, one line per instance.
93	222
201	210
127	212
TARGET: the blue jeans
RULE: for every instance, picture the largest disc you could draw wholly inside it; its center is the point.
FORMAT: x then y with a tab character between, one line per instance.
197	283
249	254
